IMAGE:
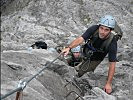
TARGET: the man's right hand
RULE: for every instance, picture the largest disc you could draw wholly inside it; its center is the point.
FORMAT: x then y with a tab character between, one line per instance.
65	51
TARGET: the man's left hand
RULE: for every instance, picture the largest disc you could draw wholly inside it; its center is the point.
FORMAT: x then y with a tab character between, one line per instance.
108	88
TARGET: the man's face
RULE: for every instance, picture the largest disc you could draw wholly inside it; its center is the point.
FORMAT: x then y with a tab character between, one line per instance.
104	31
76	54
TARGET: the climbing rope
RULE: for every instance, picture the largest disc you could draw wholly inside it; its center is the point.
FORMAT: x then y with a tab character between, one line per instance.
23	84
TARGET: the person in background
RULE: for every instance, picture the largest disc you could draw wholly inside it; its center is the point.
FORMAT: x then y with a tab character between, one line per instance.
75	58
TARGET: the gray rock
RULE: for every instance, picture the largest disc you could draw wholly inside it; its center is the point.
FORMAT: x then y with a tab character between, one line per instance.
23	22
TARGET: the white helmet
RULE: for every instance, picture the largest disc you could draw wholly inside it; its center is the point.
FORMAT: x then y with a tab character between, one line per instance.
76	49
108	21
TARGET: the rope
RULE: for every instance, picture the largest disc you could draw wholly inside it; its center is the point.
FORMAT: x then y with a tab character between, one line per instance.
42	70
10	93
22	84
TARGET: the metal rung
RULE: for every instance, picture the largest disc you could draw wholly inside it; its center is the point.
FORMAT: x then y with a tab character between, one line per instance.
75	93
71	82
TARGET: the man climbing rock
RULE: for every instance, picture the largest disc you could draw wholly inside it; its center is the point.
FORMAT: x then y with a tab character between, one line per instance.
100	41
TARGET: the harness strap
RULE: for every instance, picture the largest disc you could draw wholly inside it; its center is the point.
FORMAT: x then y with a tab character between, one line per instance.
94	37
107	42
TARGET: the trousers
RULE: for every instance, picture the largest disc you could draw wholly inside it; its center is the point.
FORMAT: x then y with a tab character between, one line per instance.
86	66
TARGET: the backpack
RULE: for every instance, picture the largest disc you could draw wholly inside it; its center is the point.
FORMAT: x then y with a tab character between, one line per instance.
39	45
117	32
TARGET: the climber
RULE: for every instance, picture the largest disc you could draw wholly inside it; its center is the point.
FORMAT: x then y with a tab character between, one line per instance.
99	41
75	56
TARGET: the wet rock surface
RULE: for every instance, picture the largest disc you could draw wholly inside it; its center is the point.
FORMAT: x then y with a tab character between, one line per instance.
58	22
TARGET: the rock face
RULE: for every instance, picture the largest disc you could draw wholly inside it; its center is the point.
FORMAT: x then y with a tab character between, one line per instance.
22	65
58	22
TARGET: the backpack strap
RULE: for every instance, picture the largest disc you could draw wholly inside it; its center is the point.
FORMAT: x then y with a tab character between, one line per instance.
107	42
94	37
